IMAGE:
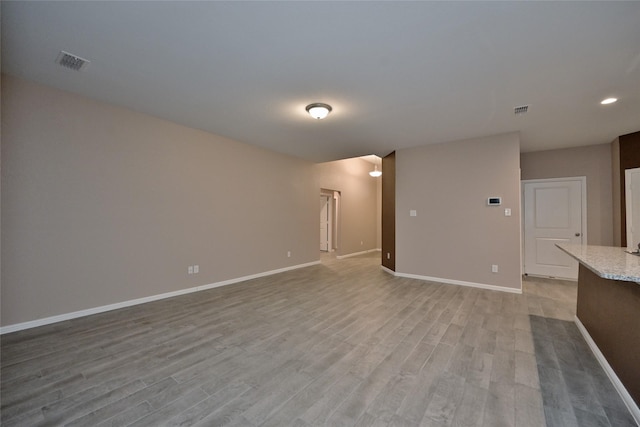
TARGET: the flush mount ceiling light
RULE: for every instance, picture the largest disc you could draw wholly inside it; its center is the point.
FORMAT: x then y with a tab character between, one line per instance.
375	172
608	101
318	110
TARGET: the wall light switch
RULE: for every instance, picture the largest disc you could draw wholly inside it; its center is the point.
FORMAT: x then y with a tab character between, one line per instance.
190	269
507	212
196	269
413	212
494	268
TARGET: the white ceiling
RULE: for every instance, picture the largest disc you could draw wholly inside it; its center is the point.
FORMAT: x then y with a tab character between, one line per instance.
398	74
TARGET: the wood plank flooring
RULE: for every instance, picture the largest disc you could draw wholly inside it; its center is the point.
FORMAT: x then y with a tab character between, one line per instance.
338	344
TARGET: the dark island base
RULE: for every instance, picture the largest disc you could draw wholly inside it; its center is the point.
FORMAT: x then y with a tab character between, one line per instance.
610	312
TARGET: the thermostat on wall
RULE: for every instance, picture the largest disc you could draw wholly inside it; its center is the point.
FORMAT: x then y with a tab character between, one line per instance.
494	201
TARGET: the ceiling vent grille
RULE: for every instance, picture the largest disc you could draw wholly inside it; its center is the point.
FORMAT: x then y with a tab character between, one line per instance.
71	61
520	110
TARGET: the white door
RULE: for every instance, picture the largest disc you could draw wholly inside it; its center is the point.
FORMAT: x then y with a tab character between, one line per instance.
554	212
632	202
324	222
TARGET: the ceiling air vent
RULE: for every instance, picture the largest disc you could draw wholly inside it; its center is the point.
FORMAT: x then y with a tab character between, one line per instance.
71	61
520	110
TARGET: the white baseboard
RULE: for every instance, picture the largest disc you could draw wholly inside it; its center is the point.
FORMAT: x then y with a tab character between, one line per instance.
454	282
95	310
617	384
356	253
388	270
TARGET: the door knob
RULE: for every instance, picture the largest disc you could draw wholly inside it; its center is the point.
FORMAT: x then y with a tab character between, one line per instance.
577	234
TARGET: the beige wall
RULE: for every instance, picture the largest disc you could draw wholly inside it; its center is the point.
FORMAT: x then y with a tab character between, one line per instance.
455	235
102	205
594	162
358	202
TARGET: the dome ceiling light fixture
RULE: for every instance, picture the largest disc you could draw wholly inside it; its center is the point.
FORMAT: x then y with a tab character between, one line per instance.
375	172
318	110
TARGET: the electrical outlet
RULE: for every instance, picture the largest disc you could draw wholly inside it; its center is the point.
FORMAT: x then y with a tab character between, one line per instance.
196	269
288	254
361	243
494	268
190	269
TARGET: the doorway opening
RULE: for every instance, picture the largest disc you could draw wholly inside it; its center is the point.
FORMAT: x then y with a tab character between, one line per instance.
329	220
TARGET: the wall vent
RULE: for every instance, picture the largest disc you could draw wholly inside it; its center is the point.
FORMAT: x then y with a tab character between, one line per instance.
71	61
520	110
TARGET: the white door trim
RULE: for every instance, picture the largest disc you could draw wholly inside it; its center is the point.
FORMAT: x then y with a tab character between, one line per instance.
583	189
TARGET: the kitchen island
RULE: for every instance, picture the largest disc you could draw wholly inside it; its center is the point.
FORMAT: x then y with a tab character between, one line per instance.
608	314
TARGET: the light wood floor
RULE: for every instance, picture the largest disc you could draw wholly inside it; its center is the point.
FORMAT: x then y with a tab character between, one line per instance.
338	344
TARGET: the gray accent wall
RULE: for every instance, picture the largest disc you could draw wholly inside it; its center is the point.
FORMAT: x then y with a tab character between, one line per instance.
455	235
616	192
102	205
595	163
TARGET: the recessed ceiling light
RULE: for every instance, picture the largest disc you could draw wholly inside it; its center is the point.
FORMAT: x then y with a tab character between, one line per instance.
318	110
608	101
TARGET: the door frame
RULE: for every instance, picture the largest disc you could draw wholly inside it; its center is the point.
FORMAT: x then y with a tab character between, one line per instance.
335	212
335	220
329	199
583	217
629	205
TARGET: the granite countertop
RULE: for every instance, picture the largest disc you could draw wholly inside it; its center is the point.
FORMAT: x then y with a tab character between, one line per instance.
606	261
